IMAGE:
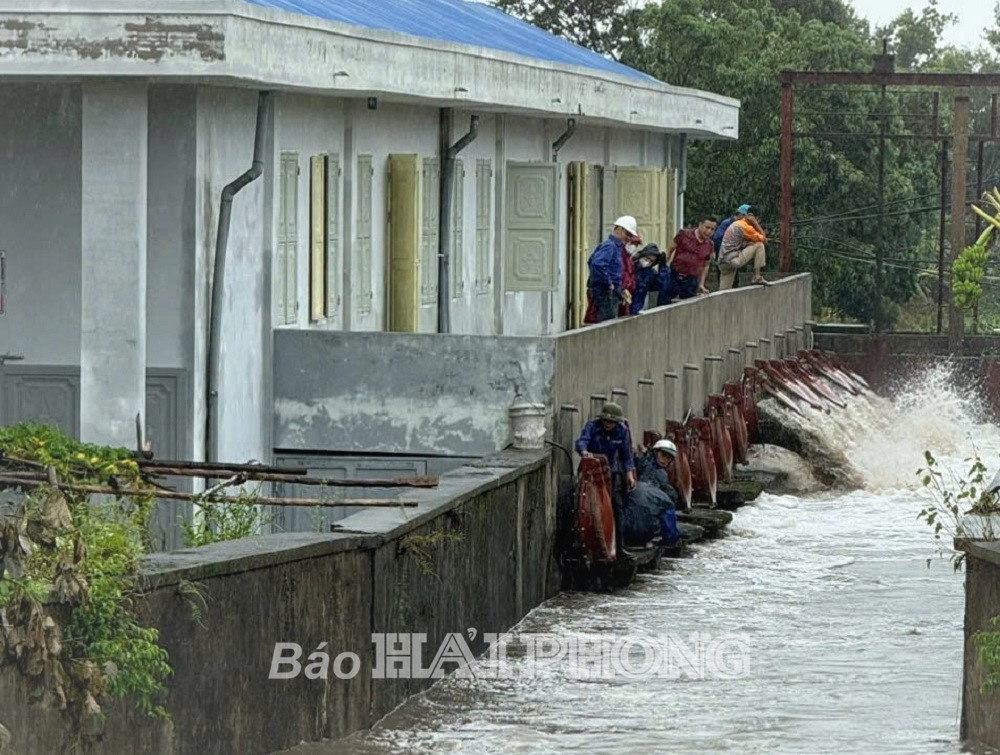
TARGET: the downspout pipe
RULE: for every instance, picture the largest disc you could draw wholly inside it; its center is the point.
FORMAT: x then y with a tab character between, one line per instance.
682	179
563	138
217	286
444	227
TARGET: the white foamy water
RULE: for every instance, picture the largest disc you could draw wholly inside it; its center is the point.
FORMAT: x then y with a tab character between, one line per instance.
853	621
877	444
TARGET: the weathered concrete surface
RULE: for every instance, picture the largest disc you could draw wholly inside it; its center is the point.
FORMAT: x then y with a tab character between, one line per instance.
598	359
113	254
397	574
199	39
403	393
888	361
980	723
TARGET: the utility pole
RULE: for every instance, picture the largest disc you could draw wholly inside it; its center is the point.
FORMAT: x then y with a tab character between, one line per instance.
880	236
785	178
959	165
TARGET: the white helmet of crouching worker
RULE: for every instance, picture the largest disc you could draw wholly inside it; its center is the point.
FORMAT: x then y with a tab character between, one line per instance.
665	446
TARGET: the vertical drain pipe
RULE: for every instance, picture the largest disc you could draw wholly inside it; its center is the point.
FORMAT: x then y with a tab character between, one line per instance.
563	138
444	213
217	287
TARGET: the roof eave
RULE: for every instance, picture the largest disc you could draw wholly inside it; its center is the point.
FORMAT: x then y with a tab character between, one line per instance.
233	41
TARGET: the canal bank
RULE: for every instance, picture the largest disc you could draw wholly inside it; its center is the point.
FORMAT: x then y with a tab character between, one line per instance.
854	627
475	552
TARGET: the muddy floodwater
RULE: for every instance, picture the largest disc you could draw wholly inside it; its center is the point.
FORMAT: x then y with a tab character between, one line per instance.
851	620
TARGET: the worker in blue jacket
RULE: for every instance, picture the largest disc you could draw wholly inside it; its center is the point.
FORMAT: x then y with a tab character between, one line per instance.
604	285
607	435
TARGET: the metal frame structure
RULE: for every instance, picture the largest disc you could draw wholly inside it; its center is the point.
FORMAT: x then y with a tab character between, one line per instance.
883	76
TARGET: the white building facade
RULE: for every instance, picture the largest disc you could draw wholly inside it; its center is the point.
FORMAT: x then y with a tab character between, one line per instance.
120	126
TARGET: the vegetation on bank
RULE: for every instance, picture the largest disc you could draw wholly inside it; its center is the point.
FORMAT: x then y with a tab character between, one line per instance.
953	499
69	580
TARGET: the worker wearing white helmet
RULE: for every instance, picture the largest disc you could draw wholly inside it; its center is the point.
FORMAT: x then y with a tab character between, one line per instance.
654	467
604	285
664	451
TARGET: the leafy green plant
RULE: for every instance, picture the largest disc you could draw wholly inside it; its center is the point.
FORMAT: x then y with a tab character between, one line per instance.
69	574
953	498
988	654
220	521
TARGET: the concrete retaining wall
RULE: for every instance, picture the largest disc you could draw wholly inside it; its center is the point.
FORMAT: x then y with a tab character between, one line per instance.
493	565
449	394
980	723
620	354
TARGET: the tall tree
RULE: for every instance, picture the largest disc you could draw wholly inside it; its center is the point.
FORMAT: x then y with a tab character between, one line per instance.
599	25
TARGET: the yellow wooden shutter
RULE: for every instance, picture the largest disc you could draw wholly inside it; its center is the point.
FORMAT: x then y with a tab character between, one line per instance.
404	242
317	238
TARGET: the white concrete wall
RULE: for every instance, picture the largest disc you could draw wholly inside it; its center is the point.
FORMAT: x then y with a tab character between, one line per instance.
226	124
40	200
170	290
473	312
113	260
307	126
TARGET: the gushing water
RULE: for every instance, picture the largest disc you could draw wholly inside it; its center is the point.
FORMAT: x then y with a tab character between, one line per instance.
876	444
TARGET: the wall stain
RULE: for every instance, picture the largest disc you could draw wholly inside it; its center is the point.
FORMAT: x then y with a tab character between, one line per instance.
151	40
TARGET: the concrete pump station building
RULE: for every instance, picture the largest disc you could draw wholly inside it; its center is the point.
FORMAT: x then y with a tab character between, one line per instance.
344	228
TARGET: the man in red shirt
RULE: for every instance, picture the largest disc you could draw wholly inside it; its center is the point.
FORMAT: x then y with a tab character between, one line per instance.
688	256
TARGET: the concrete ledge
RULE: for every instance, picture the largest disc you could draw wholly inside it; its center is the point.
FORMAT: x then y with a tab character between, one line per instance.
367	530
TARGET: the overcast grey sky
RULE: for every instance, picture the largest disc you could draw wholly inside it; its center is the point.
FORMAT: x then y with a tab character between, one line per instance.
966	33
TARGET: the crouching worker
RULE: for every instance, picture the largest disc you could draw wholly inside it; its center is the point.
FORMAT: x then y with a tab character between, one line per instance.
650	506
648	263
608	435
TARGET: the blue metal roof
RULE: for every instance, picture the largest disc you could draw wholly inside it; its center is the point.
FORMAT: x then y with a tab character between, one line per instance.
458	21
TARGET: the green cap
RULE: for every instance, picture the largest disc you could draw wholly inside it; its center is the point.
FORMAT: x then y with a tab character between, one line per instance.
612	411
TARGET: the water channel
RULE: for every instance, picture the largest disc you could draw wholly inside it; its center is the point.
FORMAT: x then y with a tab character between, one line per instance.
852	623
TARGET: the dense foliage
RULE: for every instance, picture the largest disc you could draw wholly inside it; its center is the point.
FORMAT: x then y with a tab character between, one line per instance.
738	49
68	578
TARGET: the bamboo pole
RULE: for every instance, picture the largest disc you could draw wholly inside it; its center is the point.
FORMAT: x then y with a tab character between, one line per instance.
396	482
221	467
165	495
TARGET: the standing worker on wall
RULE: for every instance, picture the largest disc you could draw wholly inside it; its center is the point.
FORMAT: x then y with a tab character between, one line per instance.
688	255
604	284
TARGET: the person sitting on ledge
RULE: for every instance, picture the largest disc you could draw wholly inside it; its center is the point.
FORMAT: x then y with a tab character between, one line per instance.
743	242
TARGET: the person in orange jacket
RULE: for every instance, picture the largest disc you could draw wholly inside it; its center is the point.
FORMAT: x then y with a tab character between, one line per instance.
743	242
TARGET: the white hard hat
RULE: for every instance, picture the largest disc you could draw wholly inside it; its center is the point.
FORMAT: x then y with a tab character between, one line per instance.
628	223
667	446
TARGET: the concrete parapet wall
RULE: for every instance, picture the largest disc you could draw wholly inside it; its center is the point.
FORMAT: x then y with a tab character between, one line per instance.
395	572
675	339
401	392
449	394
